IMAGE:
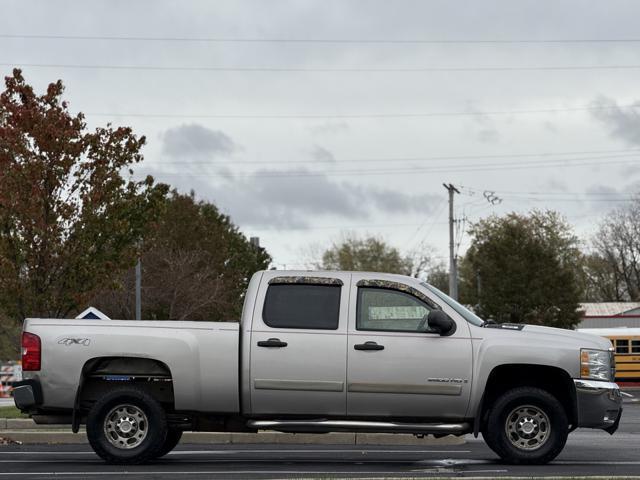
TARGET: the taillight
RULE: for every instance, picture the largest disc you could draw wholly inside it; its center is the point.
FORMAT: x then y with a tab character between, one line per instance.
31	352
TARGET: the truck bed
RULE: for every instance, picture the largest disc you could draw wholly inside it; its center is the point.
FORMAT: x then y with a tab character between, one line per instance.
201	356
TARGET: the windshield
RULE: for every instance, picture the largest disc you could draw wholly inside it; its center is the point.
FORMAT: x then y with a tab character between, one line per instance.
468	315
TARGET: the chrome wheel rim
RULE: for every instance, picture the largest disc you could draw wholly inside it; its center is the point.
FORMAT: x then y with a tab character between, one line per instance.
126	427
527	427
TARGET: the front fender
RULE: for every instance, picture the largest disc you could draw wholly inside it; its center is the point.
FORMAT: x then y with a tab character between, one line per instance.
491	353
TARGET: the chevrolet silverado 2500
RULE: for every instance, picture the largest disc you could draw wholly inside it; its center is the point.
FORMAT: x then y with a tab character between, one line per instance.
320	352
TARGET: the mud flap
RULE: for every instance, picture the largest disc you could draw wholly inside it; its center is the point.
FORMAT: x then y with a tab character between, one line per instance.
612	429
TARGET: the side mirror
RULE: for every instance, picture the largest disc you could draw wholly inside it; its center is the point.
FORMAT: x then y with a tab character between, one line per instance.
441	323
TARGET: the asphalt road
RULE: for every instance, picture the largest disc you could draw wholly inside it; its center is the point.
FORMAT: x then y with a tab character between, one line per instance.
588	453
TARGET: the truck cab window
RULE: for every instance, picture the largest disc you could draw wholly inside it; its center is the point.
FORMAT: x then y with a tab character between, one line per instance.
302	306
382	309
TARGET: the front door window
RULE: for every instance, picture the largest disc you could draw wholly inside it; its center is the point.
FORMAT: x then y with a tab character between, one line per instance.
381	309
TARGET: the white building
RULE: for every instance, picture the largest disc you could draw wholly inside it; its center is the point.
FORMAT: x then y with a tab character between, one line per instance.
610	315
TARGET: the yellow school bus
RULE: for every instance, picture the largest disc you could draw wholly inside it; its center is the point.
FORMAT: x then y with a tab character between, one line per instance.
626	342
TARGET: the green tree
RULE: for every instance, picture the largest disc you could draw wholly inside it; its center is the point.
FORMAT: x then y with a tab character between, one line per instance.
370	254
438	276
603	279
71	215
197	267
524	269
617	247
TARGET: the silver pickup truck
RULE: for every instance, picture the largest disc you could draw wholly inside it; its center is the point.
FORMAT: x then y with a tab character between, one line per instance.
320	352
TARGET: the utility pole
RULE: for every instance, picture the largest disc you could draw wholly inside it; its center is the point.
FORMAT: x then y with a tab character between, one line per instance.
138	290
453	267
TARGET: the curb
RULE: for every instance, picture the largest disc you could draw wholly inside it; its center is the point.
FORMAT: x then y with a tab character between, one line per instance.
34	437
26	432
16	424
207	438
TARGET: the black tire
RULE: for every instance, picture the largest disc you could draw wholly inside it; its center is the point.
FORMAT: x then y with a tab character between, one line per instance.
527	425
132	409
487	440
171	442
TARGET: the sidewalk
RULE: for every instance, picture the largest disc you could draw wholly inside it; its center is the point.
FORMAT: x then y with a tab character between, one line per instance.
27	432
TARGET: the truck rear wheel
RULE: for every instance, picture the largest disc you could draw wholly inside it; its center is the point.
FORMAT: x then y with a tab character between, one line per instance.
127	426
527	425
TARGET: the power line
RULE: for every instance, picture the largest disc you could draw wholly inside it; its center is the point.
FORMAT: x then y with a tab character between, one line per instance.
347	227
439	208
284	40
580	200
435	169
609	153
557	196
505	192
176	68
315	116
390	225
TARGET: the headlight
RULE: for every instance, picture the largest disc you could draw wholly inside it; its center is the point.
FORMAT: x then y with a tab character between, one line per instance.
595	365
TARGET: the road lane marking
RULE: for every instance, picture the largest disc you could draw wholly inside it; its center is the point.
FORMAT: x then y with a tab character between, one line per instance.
249	460
451	462
295	473
359	450
595	462
222	452
451	471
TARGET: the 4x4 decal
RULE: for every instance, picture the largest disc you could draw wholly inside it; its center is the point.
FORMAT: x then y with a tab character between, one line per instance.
85	342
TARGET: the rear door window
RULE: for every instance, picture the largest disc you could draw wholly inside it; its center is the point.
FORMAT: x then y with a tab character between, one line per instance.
302	306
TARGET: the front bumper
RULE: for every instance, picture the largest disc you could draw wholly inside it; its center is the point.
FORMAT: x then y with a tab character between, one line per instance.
599	404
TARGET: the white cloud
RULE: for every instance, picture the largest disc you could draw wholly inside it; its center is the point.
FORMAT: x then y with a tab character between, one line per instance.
192	140
622	122
282	198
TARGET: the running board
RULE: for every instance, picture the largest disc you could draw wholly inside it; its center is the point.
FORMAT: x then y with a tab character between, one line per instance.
326	426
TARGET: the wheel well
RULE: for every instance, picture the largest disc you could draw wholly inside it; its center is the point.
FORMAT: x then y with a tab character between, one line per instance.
100	375
554	380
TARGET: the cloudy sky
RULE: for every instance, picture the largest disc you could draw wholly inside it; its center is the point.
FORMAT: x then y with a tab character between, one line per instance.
305	119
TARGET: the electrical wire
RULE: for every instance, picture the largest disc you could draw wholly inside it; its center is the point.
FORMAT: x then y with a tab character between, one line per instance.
557	196
439	208
277	40
347	227
175	68
355	116
398	159
576	162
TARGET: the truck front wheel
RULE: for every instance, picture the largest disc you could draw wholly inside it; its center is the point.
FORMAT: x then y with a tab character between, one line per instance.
527	425
127	426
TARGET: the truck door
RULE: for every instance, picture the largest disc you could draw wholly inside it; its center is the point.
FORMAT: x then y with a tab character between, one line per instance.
299	345
396	366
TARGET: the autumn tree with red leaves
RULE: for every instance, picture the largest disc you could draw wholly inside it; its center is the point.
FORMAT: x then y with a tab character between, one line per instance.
71	214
